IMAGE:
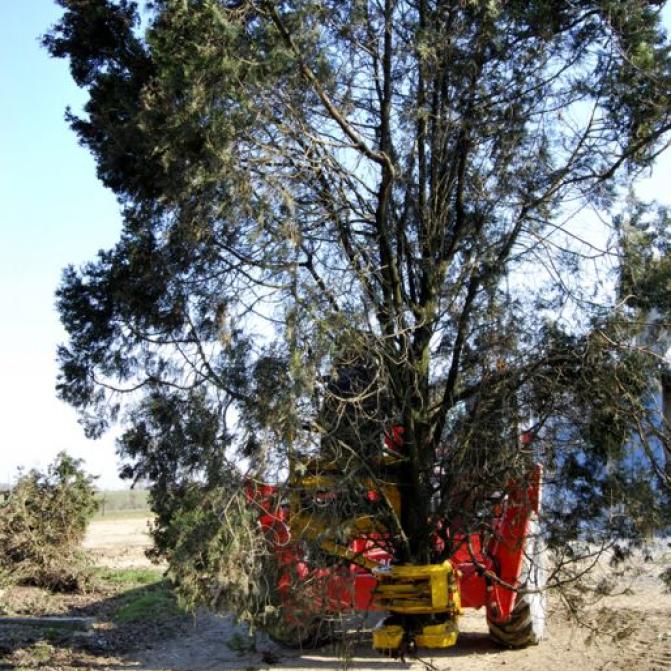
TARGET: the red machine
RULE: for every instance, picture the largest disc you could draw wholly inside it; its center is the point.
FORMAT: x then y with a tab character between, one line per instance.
354	567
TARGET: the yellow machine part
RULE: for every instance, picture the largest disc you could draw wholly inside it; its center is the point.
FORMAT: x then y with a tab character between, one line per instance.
443	635
389	637
413	590
329	483
310	524
418	589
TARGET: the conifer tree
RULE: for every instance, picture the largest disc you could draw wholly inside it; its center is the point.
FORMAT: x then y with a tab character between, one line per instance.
341	217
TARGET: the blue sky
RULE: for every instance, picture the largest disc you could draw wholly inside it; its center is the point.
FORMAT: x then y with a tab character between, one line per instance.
55	212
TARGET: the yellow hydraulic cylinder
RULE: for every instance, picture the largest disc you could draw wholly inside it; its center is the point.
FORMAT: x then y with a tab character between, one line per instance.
416	590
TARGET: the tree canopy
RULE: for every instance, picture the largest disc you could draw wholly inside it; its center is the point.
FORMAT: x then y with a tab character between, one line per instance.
345	216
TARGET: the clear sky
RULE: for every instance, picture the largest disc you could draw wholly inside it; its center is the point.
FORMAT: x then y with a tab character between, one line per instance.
54	212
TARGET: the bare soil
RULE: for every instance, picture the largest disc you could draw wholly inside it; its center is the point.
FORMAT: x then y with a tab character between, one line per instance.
627	632
119	541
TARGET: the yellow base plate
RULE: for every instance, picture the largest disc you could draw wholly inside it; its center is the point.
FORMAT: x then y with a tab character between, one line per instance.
442	635
389	637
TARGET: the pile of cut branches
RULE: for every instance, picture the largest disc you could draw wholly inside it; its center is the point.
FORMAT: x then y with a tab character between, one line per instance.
216	550
43	523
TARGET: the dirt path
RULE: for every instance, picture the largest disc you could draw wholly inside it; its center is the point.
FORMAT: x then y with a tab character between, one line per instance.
634	631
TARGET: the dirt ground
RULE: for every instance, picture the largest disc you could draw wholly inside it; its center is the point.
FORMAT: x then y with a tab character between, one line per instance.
119	542
628	632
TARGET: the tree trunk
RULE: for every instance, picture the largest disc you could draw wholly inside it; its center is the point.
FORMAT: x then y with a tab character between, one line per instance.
415	485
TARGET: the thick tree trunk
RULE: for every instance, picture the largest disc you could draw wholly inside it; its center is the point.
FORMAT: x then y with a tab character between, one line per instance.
415	500
415	485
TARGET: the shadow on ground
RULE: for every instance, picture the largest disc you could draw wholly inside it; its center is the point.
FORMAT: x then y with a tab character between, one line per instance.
125	621
142	629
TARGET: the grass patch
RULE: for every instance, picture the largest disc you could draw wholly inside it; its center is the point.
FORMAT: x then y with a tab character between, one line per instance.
128	578
140	596
152	604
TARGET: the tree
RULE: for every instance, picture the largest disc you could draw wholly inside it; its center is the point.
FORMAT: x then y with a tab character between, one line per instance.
342	217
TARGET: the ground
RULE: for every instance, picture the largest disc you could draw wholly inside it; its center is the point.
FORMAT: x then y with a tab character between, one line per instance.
139	626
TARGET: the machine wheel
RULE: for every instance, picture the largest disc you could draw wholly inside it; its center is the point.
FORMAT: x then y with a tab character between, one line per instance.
527	621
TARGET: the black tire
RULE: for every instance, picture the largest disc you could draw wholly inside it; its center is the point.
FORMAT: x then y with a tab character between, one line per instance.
526	625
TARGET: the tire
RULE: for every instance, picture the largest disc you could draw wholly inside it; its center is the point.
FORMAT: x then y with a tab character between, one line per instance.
526	625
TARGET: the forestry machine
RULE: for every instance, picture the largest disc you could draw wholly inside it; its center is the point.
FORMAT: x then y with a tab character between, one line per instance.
354	568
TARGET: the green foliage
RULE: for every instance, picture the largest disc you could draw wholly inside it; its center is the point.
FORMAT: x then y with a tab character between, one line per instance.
128	578
645	277
217	553
43	523
242	645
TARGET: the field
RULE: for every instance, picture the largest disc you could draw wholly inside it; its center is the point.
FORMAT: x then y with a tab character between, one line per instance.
133	502
139	626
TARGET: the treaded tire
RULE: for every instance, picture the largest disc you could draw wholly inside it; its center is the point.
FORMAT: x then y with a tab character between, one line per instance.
526	625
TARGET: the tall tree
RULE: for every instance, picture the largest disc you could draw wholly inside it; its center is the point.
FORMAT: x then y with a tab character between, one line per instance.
345	216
